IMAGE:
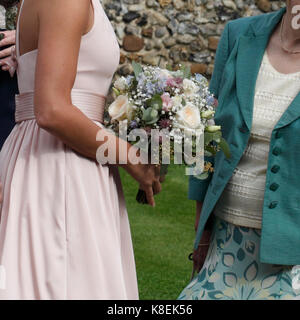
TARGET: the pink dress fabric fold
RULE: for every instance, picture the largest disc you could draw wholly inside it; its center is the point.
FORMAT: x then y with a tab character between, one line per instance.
64	229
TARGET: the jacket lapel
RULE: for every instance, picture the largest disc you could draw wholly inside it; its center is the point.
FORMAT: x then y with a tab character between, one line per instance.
291	114
250	54
251	50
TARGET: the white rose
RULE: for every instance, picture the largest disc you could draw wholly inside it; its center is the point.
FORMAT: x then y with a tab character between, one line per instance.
190	87
121	84
189	117
120	109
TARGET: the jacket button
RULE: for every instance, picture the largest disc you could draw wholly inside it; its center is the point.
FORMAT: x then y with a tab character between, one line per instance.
273	204
274	186
275	169
278	135
243	129
276	151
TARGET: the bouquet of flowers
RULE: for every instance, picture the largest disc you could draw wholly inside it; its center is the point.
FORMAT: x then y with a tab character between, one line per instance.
172	103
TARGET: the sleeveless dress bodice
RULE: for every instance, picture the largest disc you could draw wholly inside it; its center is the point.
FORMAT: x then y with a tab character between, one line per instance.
98	59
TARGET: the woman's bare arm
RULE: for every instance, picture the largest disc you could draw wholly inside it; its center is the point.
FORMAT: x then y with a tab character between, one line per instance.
61	26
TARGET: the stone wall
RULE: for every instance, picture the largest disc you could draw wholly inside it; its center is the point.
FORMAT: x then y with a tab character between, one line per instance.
170	32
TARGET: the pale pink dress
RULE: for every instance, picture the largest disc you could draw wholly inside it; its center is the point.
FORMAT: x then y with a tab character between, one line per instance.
64	231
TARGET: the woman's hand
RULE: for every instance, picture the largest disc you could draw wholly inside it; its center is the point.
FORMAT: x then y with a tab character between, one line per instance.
8	41
200	254
148	177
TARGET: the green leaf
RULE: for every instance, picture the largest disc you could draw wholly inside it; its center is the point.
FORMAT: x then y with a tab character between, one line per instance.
202	176
211	150
186	72
137	68
225	148
150	116
155	102
212	136
217	136
208	137
116	91
169	67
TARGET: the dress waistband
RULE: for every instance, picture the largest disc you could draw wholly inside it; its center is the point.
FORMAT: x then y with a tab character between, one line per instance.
92	105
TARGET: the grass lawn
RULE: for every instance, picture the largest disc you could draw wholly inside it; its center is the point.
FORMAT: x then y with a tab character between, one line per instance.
162	237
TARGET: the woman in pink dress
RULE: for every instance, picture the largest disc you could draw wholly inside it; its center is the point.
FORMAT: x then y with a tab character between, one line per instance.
64	231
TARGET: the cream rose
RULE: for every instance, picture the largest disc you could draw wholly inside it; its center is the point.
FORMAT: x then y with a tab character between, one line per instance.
189	117
189	87
121	84
120	109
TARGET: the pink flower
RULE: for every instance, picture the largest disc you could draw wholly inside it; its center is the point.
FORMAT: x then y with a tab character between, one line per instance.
167	101
174	82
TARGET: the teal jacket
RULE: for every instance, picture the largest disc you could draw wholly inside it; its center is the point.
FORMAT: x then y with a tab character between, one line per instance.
238	61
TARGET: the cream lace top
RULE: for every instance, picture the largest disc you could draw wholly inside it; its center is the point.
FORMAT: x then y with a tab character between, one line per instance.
242	200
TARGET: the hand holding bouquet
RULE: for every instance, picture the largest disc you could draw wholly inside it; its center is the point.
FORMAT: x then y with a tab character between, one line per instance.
164	108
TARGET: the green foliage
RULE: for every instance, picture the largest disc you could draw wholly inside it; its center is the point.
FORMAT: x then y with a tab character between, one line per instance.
150	116
212	136
137	69
186	72
155	102
163	237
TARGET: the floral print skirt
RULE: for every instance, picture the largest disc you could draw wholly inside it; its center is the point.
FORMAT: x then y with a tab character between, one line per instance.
232	270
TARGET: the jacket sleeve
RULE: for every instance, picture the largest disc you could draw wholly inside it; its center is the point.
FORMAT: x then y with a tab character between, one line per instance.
197	187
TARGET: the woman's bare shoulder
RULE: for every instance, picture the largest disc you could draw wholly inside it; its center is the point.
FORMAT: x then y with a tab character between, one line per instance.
62	10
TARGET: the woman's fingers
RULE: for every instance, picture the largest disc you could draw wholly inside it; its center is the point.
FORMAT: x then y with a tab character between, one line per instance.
199	257
5	68
9	38
6	52
156	187
150	195
5	64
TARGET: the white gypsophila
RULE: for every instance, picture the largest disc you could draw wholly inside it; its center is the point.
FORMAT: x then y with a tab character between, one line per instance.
190	88
121	84
164	73
177	101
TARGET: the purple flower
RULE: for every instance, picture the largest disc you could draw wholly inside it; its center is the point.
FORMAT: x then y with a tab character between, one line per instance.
129	80
199	77
210	100
133	124
165	123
